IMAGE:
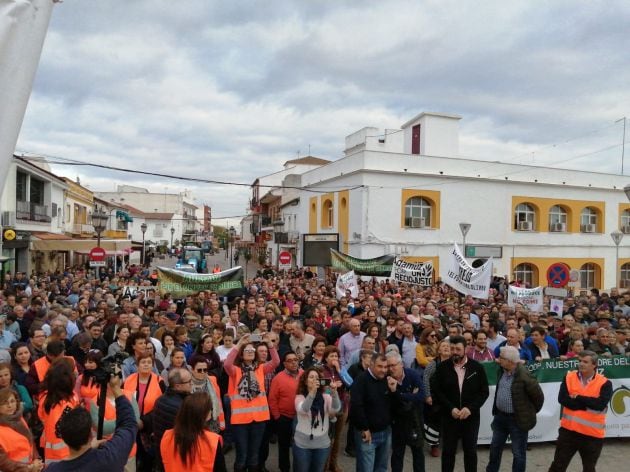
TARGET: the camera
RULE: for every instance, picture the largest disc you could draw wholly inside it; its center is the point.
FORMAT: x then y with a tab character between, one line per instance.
111	365
256	338
324	382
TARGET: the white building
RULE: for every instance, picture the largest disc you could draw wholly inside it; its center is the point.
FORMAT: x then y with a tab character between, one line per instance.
31	207
405	191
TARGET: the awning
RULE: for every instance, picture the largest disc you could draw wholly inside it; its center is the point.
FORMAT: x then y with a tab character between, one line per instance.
50	236
78	245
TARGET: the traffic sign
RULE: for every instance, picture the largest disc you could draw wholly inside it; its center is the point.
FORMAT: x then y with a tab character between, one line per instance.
97	264
97	254
284	260
558	274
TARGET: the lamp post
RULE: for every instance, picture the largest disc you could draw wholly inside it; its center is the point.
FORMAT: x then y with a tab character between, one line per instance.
616	236
277	229
464	228
172	233
99	222
232	232
143	228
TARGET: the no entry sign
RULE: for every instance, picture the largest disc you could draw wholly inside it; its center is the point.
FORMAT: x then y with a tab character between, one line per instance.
97	254
285	260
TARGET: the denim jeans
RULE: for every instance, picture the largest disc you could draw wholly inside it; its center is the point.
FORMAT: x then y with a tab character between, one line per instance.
247	438
373	456
503	426
309	460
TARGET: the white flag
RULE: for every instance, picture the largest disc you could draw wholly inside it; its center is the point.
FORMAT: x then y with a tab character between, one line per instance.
464	278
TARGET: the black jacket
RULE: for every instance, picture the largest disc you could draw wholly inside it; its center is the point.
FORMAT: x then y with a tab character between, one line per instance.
445	387
164	413
372	402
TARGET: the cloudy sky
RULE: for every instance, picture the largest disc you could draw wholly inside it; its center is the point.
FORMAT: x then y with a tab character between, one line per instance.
229	90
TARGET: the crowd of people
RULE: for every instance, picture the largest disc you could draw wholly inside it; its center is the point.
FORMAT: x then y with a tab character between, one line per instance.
290	364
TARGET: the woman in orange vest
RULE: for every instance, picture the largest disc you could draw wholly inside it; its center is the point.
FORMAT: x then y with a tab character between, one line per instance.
202	381
87	388
17	449
59	395
189	445
109	420
147	387
248	399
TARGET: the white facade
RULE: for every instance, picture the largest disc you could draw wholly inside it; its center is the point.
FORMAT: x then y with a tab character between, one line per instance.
484	194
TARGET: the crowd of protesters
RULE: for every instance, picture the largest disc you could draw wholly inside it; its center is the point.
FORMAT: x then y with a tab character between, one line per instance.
286	363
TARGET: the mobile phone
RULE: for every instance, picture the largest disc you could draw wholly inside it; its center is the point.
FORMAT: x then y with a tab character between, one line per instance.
255	338
324	382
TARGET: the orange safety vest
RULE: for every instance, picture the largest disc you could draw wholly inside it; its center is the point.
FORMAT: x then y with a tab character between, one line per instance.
110	415
588	422
17	447
54	447
246	411
205	455
90	391
217	391
151	393
43	364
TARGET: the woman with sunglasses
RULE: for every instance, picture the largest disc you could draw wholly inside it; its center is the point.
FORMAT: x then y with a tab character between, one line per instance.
248	399
206	349
426	350
203	380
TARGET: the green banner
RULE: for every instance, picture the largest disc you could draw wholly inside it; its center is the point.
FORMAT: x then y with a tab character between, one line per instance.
379	266
180	283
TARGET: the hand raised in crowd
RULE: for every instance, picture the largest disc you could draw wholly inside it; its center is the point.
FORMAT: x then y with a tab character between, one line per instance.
392	383
335	384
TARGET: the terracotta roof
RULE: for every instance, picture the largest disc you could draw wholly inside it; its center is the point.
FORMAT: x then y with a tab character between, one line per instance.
50	236
309	160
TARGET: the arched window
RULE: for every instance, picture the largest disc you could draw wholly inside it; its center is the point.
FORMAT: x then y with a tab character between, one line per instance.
417	213
557	219
588	220
526	273
327	214
524	217
588	273
625	275
625	221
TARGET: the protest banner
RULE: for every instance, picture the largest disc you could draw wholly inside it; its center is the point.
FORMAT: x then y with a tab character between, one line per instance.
378	266
131	291
347	281
556	305
466	279
415	273
180	283
532	298
550	374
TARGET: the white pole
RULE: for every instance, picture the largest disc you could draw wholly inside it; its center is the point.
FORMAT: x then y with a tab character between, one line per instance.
22	33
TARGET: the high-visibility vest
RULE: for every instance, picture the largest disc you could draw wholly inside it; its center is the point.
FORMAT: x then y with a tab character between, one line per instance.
151	393
246	411
17	447
217	392
43	364
587	422
204	457
54	448
110	415
90	391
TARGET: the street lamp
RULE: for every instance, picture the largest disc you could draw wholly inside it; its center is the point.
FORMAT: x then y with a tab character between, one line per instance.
616	236
232	232
99	222
464	228
143	228
277	229
172	233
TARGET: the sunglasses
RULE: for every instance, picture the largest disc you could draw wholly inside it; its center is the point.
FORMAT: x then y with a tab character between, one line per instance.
201	371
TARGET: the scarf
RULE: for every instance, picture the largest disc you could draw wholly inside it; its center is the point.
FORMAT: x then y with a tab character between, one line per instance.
16	423
205	386
317	412
248	386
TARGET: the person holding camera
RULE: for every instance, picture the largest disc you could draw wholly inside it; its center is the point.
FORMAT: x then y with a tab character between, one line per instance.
316	401
248	400
75	429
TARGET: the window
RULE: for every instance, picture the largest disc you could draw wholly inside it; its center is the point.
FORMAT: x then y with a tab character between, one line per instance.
524	217
625	218
588	220
37	191
327	214
20	186
557	214
625	276
526	273
417	213
68	213
587	276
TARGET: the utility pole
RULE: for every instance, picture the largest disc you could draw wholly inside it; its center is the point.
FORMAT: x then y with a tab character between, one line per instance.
623	141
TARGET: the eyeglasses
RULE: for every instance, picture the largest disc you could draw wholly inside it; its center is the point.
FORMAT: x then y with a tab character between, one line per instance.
201	371
249	350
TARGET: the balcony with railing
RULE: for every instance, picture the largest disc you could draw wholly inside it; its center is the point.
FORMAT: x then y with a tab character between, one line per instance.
32	212
81	228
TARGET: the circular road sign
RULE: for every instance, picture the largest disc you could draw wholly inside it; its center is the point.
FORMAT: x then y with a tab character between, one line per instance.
558	274
97	254
574	275
285	258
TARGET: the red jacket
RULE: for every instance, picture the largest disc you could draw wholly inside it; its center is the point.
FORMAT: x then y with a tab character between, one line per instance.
282	394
